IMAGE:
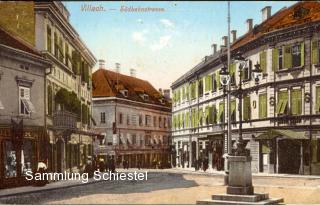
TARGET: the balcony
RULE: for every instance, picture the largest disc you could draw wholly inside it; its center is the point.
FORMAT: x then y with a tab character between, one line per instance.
64	120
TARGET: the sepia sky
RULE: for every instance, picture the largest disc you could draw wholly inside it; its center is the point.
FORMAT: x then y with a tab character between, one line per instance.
161	45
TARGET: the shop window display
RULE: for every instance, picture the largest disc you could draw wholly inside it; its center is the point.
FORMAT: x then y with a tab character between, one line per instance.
10	160
26	157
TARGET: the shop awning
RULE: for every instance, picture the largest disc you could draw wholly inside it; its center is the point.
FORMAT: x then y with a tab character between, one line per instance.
272	133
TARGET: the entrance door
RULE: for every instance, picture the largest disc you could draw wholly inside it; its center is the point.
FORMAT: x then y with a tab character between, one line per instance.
289	156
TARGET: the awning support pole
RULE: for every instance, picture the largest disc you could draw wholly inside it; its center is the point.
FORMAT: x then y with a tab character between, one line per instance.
277	148
301	171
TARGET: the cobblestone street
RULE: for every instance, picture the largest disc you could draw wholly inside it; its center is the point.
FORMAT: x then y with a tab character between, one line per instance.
170	186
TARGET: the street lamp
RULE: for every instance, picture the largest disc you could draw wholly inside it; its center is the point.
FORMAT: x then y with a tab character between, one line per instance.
238	93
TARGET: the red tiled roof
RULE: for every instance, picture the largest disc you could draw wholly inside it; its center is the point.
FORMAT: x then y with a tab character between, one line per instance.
105	85
282	19
13	41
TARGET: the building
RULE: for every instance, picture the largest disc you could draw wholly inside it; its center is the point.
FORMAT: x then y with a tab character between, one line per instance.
22	109
281	118
134	118
46	25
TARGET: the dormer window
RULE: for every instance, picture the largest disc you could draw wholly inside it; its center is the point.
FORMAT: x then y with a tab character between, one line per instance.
162	101
144	97
124	93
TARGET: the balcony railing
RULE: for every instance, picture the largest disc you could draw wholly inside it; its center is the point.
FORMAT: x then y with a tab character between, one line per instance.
64	120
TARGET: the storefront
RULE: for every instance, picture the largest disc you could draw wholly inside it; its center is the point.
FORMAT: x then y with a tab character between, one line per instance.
20	151
284	151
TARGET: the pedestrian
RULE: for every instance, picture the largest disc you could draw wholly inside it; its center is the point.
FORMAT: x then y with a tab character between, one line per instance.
89	169
101	165
112	165
124	164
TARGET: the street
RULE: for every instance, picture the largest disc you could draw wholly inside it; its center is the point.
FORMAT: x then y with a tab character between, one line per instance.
171	186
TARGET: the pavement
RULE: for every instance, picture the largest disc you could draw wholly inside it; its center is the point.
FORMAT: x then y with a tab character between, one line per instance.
278	181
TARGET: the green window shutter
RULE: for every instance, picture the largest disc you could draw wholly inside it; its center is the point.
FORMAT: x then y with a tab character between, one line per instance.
200	114
206	116
246	108
263	61
221	111
315	52
218	79
214	114
282	102
187	119
318	99
302	53
210	114
296	104
182	120
262	106
275	59
287	57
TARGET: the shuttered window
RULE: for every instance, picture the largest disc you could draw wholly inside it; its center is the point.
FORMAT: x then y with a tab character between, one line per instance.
287	57
187	119
296	102
246	108
218	79
262	106
233	110
263	61
232	71
282	102
315	51
208	83
200	116
49	41
275	59
221	112
318	99
206	115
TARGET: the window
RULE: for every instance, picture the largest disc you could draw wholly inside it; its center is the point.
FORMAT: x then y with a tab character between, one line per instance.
200	87
140	120
10	157
102	117
128	119
233	111
49	42
134	139
296	102
160	122
165	122
296	56
318	99
218	80
315	52
262	106
232	71
280	59
214	82
263	61
154	121
55	39
246	108
67	54
208	83
26	156
282	105
148	120
221	112
25	105
120	118
247	71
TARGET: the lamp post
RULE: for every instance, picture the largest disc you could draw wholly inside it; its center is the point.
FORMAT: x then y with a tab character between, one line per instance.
240	178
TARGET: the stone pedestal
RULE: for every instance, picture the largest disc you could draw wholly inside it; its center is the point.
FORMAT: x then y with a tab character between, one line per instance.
240	189
240	177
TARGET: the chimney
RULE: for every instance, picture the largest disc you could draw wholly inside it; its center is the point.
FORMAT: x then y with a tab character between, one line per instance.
166	93
133	72
225	40
266	13
101	64
160	91
214	48
249	24
234	35
118	67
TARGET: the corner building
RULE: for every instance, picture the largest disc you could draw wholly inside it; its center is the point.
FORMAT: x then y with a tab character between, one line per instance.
281	118
134	118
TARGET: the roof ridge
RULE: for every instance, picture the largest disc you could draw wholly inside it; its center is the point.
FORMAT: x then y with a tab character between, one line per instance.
20	40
